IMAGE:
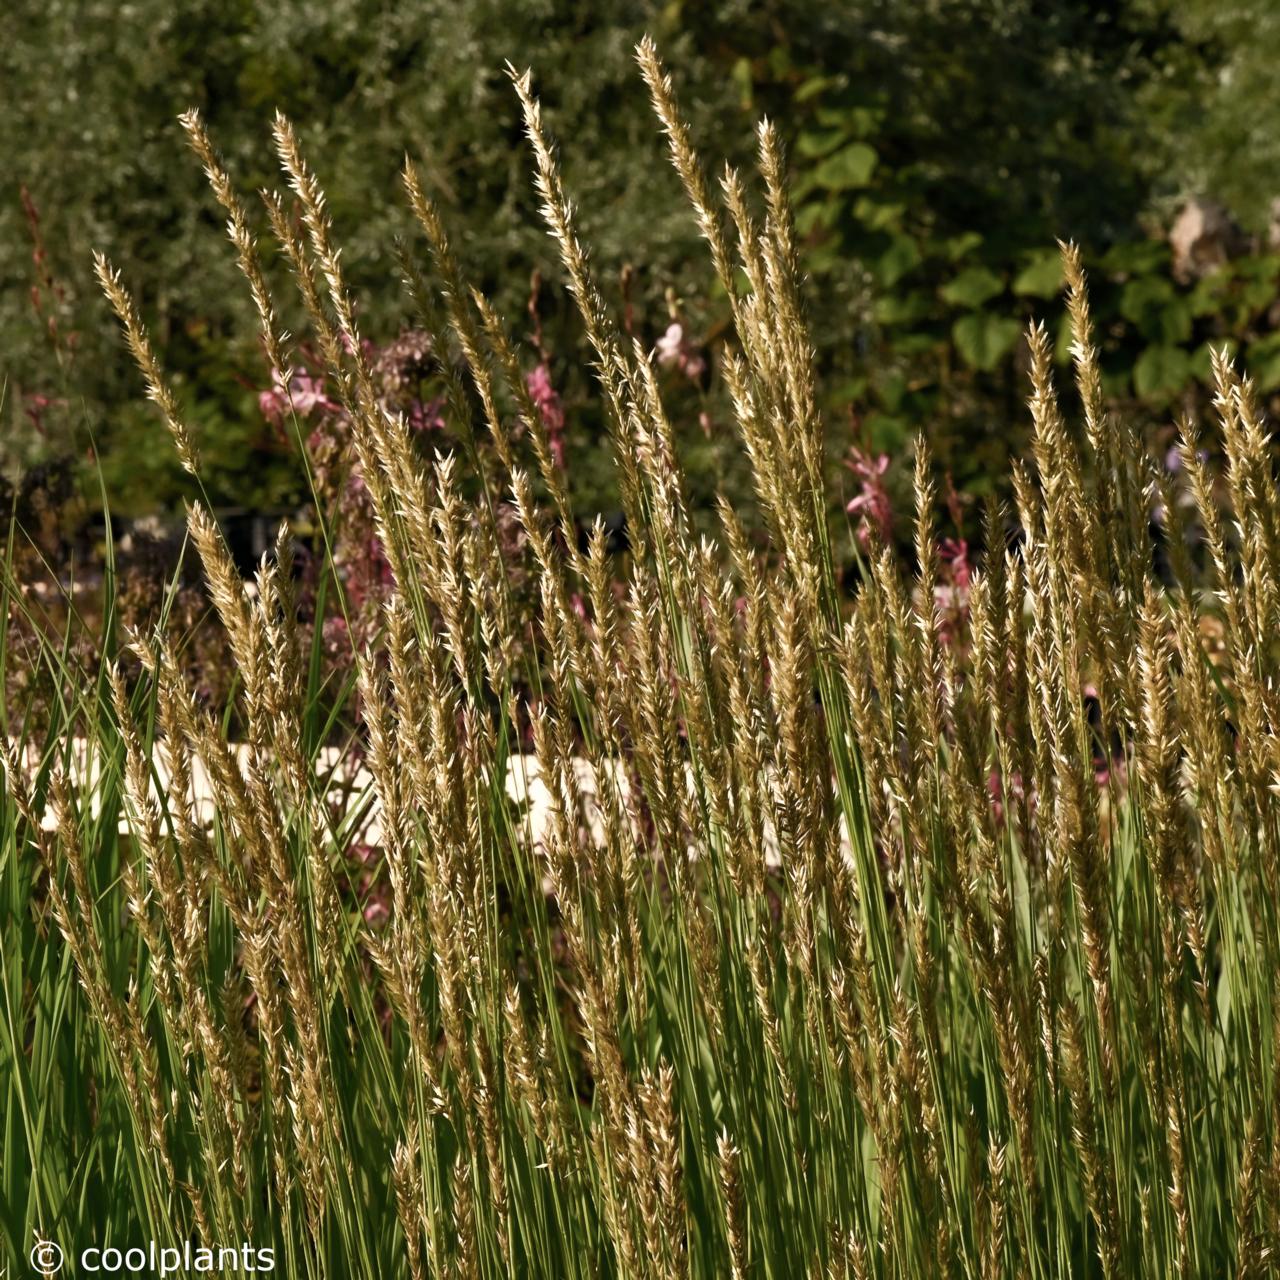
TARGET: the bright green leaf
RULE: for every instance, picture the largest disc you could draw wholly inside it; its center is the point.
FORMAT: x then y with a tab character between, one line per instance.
819	142
877	213
1041	277
972	287
899	258
1160	371
899	308
817	84
851	166
818	215
959	246
984	339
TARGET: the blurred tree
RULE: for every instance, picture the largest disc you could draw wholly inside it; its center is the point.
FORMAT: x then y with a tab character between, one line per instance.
1216	107
92	91
938	149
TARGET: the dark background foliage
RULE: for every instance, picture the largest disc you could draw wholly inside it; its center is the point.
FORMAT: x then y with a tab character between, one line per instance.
938	148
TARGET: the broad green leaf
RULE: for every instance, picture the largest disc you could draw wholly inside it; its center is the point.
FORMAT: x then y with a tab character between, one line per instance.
1041	277
854	121
1137	257
848	391
914	344
1161	370
1209	295
1263	362
902	308
890	389
818	215
1200	364
1263	266
1258	292
887	431
819	142
1154	305
960	246
984	339
897	260
972	287
878	213
851	166
817	84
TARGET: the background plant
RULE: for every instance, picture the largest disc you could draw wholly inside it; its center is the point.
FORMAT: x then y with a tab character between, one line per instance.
938	151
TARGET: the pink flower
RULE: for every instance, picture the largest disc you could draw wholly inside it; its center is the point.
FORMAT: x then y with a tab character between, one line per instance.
951	594
871	503
427	416
956	569
308	393
305	393
272	404
550	408
675	349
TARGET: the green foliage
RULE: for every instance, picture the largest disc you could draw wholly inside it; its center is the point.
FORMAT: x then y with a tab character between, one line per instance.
938	149
1214	111
93	91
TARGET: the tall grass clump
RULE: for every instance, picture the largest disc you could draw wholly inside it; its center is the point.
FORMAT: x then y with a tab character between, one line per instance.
884	929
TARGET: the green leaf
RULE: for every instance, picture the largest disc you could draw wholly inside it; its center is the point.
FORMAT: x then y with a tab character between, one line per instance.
1137	257
962	245
1116	384
819	142
899	308
1258	292
984	339
812	87
886	431
821	259
818	215
890	389
1146	294
855	121
848	391
1157	309
878	213
972	287
1041	277
1062	343
865	121
899	258
1160	371
1263	361
851	166
1261	266
1209	295
1200	363
915	344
